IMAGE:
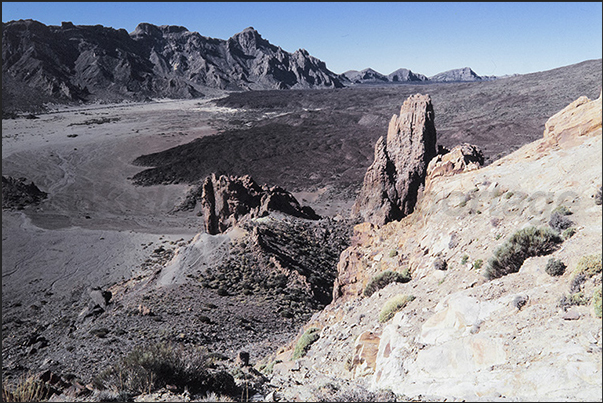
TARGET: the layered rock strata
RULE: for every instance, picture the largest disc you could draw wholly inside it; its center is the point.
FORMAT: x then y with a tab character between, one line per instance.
392	182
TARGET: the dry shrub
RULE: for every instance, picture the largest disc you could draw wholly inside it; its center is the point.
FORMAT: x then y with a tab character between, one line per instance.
525	243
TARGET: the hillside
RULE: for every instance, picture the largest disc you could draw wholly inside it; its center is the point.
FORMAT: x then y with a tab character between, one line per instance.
466	332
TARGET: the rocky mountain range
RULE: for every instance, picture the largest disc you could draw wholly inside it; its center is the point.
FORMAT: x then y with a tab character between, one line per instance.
370	76
81	63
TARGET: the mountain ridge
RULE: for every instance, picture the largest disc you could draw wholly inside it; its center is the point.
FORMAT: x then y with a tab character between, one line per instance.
77	63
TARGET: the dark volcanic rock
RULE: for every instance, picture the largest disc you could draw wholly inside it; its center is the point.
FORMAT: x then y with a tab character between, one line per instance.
18	193
391	184
225	200
458	75
82	62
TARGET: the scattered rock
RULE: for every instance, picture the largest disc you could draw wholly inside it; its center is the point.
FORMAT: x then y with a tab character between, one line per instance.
440	264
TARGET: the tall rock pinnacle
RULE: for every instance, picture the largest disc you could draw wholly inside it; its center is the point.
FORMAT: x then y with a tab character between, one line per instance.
392	182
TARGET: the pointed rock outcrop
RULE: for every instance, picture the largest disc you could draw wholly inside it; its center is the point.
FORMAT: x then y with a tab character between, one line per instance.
226	200
392	182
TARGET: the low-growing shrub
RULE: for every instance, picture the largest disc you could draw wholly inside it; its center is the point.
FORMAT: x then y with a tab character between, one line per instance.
478	264
588	265
151	367
464	259
525	243
28	388
597	302
568	233
382	279
393	253
555	267
394	305
305	341
558	220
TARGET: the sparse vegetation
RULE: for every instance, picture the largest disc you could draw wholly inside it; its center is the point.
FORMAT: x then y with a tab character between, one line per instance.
393	253
332	393
597	302
588	266
394	305
305	341
27	389
525	243
558	220
555	267
568	233
478	264
380	280
151	367
464	259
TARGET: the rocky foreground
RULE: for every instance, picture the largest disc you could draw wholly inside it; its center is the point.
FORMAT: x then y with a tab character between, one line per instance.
486	287
459	330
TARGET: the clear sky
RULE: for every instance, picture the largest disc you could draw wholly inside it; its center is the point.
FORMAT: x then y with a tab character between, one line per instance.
428	38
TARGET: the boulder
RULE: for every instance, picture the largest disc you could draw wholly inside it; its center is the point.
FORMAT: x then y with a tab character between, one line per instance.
462	158
226	200
392	182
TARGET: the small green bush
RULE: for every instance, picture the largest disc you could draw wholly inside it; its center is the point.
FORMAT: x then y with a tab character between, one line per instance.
382	279
568	233
555	267
394	305
305	341
562	210
588	265
393	253
478	264
597	302
525	243
464	259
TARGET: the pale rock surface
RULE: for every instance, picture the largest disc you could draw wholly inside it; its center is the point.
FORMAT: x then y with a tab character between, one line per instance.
464	157
463	337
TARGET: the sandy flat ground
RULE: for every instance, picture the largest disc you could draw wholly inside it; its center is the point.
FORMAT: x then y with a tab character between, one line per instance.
95	227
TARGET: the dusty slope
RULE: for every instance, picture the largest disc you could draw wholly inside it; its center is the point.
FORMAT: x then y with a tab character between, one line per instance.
464	337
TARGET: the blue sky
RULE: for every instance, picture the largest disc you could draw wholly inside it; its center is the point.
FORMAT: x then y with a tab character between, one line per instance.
428	38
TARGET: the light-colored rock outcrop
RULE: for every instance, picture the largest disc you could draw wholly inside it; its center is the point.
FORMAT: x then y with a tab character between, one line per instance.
464	157
463	337
392	183
580	118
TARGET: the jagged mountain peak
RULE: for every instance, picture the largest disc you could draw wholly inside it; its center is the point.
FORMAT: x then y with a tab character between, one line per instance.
151	61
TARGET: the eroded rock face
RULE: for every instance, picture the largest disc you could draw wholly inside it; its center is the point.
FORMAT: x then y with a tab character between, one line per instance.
462	158
580	118
225	200
392	182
